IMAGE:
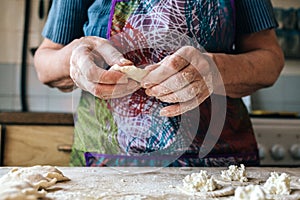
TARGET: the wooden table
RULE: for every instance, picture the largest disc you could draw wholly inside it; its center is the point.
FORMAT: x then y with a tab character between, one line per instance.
136	183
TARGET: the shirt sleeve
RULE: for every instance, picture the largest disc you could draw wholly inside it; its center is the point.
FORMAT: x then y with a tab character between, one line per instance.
65	20
254	15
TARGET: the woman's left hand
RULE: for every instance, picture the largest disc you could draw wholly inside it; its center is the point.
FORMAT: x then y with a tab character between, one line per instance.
183	79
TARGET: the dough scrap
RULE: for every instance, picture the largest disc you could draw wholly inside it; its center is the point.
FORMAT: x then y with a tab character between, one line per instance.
235	173
199	182
131	71
253	192
278	184
235	183
20	190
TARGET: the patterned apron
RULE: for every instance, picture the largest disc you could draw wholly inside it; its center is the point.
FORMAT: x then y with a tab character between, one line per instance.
129	130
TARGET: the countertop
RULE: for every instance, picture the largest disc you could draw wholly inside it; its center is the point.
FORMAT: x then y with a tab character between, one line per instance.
89	183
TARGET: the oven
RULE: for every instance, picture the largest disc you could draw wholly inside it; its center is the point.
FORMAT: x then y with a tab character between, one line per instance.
278	141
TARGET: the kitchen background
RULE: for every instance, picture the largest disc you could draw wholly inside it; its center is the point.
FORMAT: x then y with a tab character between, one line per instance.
39	97
283	96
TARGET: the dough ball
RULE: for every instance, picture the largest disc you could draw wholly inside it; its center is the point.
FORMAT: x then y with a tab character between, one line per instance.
131	71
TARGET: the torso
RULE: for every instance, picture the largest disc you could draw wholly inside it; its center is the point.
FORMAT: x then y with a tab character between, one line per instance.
216	34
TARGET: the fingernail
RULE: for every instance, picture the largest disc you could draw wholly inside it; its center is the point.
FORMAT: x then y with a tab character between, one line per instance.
146	85
163	112
124	61
148	92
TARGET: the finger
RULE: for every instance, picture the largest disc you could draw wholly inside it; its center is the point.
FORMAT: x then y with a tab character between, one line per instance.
169	66
110	54
180	108
174	83
196	58
78	79
66	89
105	91
65	85
152	67
82	59
185	94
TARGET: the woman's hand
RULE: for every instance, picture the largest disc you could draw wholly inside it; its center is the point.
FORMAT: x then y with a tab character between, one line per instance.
52	64
88	64
184	78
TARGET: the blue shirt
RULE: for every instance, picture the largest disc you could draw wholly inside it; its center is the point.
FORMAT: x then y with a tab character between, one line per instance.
71	19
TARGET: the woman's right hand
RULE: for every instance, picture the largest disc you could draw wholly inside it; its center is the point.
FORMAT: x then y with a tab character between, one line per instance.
88	64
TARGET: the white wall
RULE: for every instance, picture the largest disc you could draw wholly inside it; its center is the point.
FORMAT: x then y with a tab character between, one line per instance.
40	97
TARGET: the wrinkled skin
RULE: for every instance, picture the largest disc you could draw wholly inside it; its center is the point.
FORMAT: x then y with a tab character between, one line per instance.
87	69
183	78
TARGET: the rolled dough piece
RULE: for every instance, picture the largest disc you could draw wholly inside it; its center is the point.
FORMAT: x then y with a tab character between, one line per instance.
47	171
19	190
41	177
223	192
250	181
35	179
131	71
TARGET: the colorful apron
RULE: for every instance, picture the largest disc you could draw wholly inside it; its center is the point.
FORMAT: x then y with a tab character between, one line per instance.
130	131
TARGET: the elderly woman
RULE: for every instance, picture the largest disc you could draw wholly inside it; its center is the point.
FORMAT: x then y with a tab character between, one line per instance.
199	57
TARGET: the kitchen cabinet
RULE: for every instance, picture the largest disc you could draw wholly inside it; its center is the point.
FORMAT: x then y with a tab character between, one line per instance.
36	139
286	3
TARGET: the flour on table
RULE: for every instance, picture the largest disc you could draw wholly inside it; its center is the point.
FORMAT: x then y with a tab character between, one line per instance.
19	190
235	173
131	71
249	192
278	184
